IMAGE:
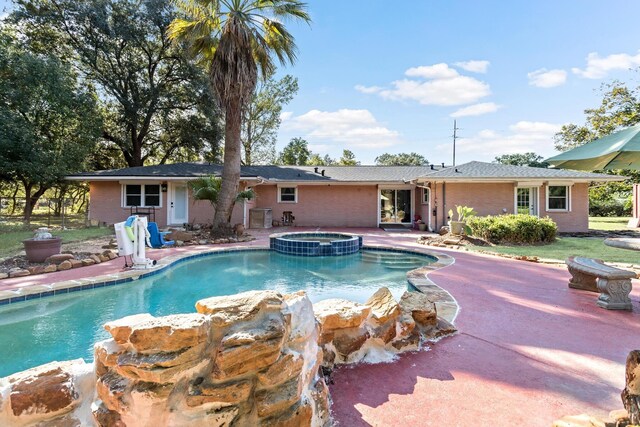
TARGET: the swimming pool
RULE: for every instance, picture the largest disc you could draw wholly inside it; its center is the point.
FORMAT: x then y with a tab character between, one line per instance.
66	326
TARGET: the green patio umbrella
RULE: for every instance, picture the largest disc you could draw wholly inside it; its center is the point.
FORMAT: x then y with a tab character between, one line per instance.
620	150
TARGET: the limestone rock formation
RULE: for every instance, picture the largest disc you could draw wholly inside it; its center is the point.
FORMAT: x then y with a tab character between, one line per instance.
339	313
383	305
420	307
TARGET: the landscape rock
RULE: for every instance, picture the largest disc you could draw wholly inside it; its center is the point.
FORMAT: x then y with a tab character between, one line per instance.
296	416
169	333
274	400
233	393
103	258
339	313
50	268
386	332
582	420
420	307
121	329
383	305
285	368
95	258
75	263
111	389
227	310
411	342
350	340
65	265
3	275
104	417
44	389
249	350
184	236
58	258
35	269
18	272
88	261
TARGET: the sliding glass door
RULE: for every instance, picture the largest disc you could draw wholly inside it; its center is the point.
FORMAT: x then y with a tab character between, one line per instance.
395	206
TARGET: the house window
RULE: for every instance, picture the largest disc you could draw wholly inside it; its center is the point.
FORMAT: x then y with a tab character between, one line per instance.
142	195
557	198
287	195
426	195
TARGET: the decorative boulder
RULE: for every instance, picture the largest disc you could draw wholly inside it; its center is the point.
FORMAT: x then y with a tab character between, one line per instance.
340	313
420	307
383	305
228	310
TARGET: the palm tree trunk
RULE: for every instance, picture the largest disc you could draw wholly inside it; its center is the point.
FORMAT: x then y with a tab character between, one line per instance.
231	167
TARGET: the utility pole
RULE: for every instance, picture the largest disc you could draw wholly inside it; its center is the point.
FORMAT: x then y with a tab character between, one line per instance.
455	129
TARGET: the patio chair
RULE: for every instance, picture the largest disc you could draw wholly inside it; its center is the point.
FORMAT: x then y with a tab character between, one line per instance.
157	237
288	218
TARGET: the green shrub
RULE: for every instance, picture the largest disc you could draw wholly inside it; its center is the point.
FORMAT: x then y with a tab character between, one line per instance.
513	229
612	207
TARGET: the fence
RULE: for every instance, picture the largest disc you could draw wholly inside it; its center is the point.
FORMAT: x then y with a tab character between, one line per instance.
48	212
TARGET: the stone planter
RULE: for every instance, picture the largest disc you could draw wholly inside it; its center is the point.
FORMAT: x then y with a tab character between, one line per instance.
457	227
39	250
422	226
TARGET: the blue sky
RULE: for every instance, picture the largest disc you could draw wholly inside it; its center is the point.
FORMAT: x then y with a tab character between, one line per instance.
390	76
381	77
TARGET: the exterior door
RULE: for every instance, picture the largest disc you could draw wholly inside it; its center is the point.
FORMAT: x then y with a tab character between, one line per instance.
178	204
395	206
527	201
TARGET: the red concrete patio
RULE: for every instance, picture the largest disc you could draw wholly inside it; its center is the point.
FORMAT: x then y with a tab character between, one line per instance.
530	350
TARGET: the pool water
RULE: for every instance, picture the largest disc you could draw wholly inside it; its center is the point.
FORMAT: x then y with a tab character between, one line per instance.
66	326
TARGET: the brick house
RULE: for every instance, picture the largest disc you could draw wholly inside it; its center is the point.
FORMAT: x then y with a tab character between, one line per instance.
349	196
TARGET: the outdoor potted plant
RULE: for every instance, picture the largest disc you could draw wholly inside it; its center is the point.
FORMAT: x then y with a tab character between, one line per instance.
42	245
420	224
460	226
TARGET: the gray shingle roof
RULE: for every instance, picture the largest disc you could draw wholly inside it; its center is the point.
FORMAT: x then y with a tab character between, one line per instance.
482	170
471	170
271	173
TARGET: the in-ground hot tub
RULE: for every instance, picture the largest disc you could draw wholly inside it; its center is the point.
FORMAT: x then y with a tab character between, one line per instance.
315	243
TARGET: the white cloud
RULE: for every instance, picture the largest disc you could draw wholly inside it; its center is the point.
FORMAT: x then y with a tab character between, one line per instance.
437	71
476	110
436	84
521	137
356	128
473	66
368	89
547	78
598	67
286	115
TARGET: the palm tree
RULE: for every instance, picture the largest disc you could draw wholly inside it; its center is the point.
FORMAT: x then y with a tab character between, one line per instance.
208	188
237	40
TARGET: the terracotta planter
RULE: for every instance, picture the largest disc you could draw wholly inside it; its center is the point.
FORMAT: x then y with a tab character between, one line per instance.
39	250
457	227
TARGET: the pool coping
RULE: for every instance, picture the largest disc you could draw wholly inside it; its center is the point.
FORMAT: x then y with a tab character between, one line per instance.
417	278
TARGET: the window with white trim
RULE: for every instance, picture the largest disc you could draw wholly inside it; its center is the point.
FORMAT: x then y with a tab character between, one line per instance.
558	198
287	195
143	195
426	195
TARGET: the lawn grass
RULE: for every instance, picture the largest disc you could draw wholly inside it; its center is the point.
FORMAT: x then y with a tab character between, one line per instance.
564	247
608	223
11	238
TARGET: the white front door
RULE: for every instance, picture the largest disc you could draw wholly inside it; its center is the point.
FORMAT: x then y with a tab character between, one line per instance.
178	204
527	200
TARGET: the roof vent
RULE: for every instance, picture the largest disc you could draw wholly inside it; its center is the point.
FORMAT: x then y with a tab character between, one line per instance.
322	172
442	164
457	171
432	168
315	169
298	174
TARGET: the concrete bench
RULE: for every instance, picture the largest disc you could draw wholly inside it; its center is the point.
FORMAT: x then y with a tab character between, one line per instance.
614	284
